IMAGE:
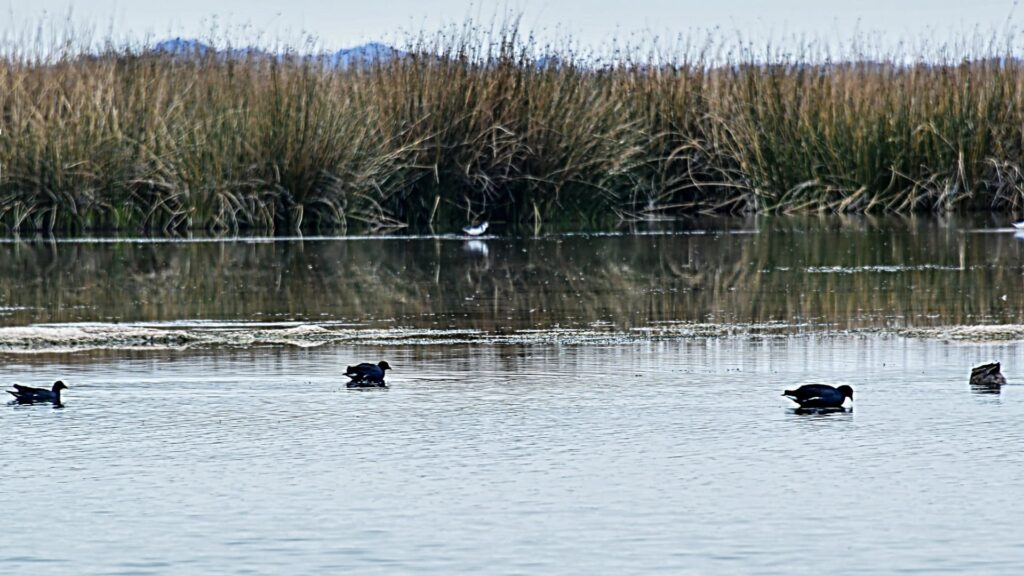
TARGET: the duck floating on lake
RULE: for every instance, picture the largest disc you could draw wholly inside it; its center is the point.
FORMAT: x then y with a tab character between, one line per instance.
1019	225
367	375
476	230
820	395
30	395
987	376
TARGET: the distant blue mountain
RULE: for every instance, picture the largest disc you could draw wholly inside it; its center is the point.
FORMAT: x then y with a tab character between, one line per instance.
358	56
183	47
365	54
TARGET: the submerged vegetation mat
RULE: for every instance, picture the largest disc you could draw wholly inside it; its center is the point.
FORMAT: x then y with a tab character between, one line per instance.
472	125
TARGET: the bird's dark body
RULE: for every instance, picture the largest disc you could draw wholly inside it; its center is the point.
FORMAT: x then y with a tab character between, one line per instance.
29	395
819	395
987	376
367	375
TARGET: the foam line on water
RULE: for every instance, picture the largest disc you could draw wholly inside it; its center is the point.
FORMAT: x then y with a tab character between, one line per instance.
180	334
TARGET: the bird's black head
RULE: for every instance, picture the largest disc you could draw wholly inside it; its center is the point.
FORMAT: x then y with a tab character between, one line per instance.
846	390
384	365
58	386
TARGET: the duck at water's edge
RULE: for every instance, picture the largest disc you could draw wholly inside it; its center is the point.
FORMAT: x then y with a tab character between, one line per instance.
987	376
367	375
30	395
820	395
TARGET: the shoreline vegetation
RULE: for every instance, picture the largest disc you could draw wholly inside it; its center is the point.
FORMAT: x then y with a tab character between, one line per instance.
470	125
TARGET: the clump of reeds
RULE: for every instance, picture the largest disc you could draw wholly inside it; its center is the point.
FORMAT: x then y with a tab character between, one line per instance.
473	124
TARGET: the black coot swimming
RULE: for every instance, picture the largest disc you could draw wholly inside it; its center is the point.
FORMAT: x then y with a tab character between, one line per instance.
30	395
987	376
820	395
367	375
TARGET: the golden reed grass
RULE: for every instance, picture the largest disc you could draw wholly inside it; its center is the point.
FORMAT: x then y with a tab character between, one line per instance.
468	126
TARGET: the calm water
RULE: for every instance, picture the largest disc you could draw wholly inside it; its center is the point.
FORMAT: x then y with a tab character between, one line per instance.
819	273
618	456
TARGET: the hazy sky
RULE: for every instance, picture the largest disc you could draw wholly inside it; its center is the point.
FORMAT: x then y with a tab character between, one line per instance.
340	23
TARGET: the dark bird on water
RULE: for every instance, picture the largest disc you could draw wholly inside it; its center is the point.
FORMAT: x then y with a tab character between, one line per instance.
820	395
987	376
30	395
367	375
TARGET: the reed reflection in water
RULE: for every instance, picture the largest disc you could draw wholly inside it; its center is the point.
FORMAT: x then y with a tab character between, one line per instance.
812	272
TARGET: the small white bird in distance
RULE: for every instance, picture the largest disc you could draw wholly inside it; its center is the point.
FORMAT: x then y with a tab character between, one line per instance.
1019	225
476	230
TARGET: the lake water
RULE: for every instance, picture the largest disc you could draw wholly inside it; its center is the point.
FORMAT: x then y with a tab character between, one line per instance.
571	404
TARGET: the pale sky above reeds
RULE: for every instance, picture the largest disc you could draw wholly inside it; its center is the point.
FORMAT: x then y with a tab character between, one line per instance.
341	23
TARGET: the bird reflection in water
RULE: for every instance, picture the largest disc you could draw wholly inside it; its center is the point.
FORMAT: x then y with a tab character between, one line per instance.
986	389
822	411
476	247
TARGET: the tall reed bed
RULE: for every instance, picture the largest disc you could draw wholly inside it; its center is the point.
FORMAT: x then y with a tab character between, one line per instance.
472	125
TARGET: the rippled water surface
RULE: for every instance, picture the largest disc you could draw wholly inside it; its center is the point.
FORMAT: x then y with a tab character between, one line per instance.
578	438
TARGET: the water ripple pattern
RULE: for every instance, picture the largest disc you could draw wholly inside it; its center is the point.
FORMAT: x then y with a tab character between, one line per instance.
672	457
